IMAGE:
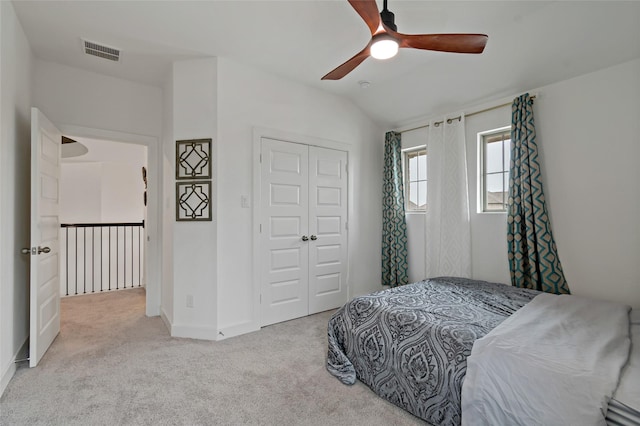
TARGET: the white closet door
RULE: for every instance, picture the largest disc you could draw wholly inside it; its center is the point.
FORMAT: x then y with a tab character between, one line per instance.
328	229
285	220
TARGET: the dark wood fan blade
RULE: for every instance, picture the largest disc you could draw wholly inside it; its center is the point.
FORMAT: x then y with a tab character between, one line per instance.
457	43
368	11
348	66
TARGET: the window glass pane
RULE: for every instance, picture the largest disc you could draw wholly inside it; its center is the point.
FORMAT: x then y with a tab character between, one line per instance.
494	182
496	154
413	164
413	195
494	191
493	157
422	194
507	154
496	206
422	167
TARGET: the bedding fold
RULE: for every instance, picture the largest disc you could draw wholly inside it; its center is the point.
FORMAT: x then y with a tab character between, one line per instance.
556	361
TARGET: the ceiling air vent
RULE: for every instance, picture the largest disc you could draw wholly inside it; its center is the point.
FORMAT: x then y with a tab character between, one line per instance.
101	51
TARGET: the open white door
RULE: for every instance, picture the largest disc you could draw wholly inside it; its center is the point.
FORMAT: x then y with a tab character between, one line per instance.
45	289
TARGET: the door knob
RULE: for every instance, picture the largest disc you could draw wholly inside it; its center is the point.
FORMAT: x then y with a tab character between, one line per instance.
43	250
313	238
25	250
305	238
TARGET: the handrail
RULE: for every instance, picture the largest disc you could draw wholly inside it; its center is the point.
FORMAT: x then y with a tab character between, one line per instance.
95	259
100	225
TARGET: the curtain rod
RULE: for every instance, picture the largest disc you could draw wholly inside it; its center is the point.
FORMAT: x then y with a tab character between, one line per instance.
449	120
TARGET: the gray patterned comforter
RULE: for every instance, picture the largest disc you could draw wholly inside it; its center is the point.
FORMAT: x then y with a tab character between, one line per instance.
410	344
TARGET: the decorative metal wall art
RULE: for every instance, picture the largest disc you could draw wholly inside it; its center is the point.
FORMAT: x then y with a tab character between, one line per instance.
193	180
193	159
144	179
144	176
193	201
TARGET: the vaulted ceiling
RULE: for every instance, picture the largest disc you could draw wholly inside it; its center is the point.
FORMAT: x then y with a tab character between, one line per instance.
531	44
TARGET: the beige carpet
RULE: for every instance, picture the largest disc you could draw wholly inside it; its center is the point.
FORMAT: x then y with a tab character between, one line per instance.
111	365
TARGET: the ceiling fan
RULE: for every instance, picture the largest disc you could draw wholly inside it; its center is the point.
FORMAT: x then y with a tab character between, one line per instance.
385	40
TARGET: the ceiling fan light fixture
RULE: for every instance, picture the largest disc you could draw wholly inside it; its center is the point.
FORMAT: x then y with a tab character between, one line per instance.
384	47
386	41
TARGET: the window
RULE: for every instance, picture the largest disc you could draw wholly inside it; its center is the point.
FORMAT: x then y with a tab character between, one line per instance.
415	179
495	155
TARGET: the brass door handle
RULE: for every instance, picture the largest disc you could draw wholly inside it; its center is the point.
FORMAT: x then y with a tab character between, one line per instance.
305	238
313	238
44	250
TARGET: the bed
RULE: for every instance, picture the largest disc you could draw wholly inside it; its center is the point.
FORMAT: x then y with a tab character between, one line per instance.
624	407
410	344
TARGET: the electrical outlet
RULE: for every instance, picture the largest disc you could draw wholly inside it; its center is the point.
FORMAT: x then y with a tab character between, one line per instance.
189	300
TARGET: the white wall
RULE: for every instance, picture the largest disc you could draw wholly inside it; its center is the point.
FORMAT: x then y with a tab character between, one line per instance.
587	133
122	192
194	255
15	90
73	96
167	208
87	104
248	98
103	185
80	192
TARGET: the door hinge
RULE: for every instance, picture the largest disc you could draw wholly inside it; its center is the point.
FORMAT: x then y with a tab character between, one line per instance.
261	158
346	225
346	167
261	228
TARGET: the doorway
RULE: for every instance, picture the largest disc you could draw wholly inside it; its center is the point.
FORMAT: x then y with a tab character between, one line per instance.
102	215
152	240
46	141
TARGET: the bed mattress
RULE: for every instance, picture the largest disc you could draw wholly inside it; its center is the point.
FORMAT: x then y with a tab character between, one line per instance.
409	344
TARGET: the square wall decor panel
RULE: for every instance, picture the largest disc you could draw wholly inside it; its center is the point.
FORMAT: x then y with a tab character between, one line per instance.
193	201
193	159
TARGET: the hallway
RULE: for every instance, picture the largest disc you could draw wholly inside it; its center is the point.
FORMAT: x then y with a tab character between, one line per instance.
125	369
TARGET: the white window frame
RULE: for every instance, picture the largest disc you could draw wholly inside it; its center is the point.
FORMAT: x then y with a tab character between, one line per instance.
482	199
405	176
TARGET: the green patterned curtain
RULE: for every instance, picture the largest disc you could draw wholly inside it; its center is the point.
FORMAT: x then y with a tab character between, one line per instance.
533	258
394	226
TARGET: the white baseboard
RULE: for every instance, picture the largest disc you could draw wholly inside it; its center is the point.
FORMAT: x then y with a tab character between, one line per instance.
165	319
10	369
152	311
194	331
188	331
237	329
7	375
205	332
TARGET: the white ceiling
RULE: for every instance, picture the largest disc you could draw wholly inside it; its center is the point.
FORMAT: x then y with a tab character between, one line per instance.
103	151
531	44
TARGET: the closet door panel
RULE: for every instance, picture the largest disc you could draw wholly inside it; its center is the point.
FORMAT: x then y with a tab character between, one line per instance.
327	229
285	219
